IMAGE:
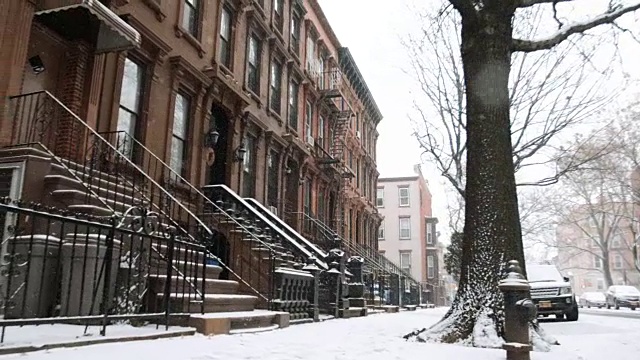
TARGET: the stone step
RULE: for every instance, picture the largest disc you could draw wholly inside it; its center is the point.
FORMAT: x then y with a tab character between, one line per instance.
117	192
212	271
237	322
212	302
212	286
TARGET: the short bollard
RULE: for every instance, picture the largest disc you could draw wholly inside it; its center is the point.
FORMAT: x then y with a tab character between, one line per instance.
519	310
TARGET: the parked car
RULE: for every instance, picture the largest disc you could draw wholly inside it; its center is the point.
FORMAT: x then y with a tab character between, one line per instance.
552	293
595	299
623	296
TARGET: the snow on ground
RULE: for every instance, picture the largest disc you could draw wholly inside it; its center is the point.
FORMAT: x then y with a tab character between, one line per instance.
376	337
47	334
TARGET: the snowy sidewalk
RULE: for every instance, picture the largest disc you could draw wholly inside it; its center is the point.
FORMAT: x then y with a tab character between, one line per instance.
376	337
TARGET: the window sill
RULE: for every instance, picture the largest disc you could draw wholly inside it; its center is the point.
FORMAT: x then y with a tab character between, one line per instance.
226	70
157	9
404	239
404	206
254	96
183	33
277	116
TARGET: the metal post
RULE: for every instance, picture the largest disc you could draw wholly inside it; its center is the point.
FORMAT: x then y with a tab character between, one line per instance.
107	277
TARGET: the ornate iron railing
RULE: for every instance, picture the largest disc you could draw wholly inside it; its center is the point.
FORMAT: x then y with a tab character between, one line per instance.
93	270
139	178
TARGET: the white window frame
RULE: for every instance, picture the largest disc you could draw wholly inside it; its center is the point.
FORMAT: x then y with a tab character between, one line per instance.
381	231
15	192
597	262
406	253
618	261
401	197
431	267
380	197
408	228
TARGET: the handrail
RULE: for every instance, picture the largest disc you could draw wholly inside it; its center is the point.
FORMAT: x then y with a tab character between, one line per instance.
75	176
380	260
256	204
154	183
205	198
268	222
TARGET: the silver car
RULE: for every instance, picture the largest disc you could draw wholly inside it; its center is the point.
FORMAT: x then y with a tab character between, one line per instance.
595	299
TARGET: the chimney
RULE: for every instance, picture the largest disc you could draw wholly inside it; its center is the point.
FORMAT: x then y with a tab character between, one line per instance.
417	169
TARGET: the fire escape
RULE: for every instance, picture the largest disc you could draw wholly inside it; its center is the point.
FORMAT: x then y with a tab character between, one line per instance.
335	159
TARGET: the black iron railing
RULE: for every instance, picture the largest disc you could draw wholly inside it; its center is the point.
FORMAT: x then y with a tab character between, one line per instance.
293	236
94	270
126	174
374	258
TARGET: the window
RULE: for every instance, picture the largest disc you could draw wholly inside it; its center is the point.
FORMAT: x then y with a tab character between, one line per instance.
403	196
380	197
600	285
278	17
253	64
295	34
321	131
431	267
308	119
181	114
618	261
131	94
381	231
321	215
405	228
273	180
405	261
597	262
616	242
225	37
293	105
191	16
276	86
321	73
311	54
307	196
430	233
248	167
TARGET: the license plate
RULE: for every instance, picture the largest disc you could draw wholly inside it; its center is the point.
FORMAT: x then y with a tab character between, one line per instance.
544	304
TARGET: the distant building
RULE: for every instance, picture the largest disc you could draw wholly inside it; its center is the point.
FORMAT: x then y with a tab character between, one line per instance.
407	234
582	241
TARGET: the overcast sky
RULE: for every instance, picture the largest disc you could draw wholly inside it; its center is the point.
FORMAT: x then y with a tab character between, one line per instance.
372	30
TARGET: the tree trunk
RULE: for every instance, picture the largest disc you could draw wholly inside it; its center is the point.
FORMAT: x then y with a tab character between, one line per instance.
606	268
492	233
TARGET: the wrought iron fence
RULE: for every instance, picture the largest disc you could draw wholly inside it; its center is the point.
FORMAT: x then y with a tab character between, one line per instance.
127	174
95	270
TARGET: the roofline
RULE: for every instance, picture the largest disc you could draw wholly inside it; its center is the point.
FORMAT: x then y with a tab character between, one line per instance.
401	178
347	61
325	23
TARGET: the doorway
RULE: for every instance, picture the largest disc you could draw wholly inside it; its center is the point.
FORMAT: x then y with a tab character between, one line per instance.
218	172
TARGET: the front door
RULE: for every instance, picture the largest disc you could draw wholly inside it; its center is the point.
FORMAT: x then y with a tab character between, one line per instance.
218	171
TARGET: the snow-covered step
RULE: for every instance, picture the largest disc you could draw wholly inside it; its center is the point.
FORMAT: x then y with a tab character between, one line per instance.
212	286
239	322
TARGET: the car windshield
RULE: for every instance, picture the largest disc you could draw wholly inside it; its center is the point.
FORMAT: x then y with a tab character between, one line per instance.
543	273
627	290
595	296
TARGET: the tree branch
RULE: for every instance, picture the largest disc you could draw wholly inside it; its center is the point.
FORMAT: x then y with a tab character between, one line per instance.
528	3
576	28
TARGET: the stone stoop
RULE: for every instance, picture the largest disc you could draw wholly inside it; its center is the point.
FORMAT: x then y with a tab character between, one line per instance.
410	307
389	308
352	312
226	323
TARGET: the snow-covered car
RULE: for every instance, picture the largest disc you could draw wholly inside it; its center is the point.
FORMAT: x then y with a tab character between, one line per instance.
623	296
595	299
552	293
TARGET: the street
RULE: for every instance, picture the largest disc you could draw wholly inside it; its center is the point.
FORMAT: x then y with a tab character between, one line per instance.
373	337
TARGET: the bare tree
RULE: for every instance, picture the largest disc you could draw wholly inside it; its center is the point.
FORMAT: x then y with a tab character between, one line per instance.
492	232
550	93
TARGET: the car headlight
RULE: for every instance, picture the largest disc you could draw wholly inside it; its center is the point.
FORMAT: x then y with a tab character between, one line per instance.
565	291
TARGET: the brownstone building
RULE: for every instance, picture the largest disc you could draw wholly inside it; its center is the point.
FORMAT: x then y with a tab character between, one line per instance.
212	115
